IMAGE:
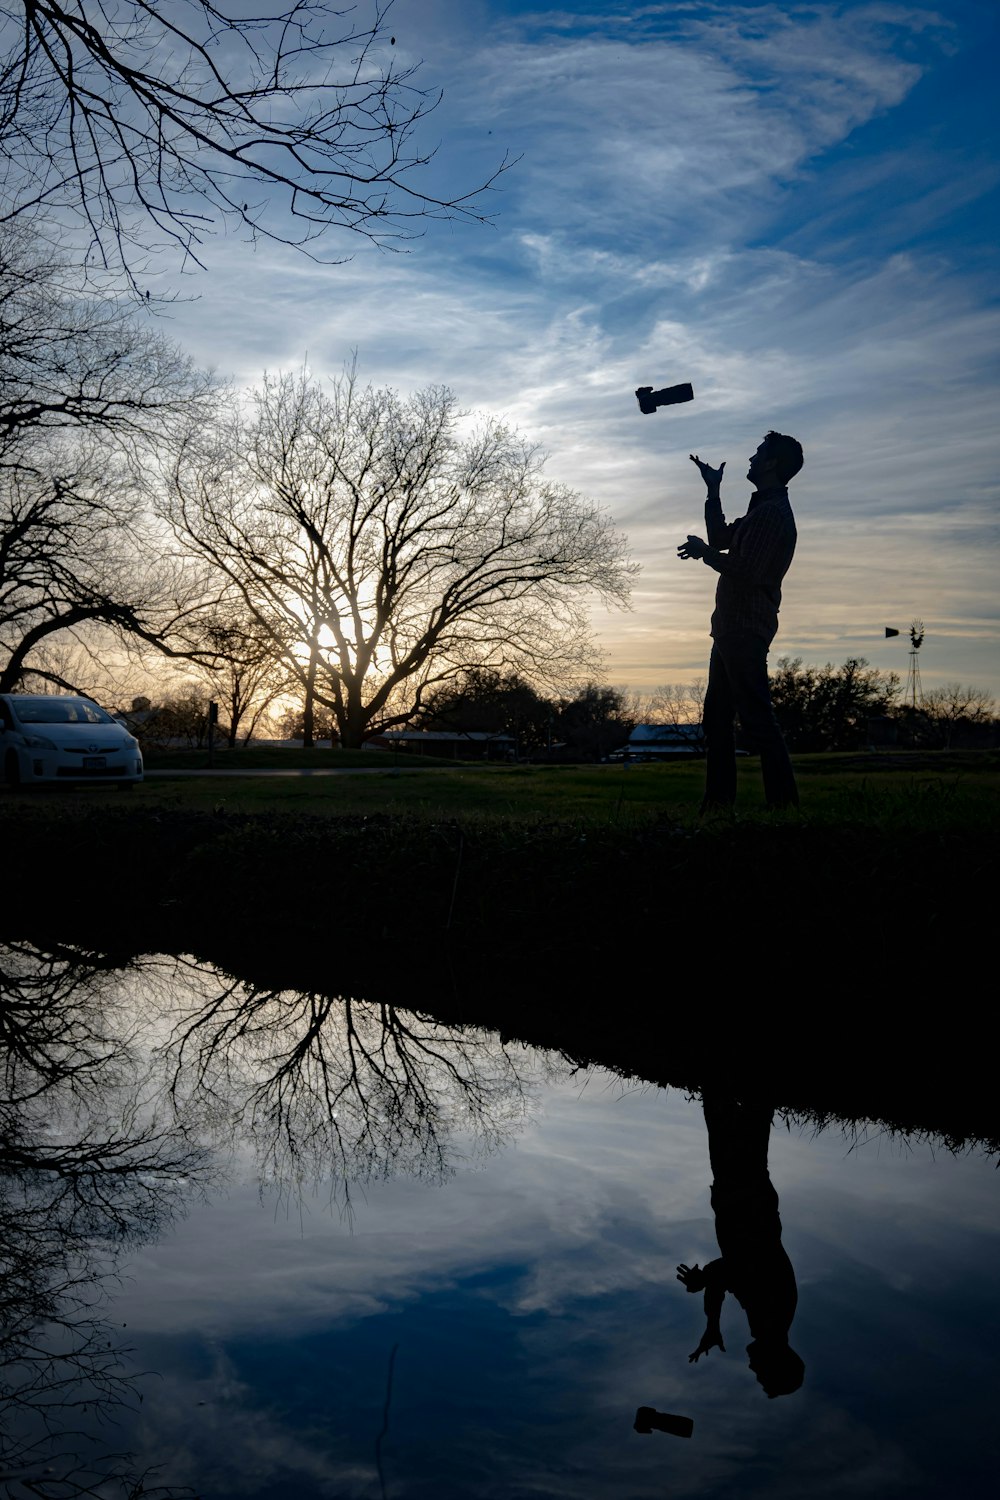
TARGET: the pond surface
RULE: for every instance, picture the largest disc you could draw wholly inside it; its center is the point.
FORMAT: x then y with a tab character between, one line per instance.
273	1245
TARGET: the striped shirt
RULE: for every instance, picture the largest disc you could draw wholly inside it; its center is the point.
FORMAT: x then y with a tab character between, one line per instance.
752	556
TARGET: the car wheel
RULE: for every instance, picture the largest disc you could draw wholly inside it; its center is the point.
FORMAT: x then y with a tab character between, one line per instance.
12	769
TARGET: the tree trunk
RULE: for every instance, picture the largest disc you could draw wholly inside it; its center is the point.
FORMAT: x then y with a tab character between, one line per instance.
235	715
354	722
309	708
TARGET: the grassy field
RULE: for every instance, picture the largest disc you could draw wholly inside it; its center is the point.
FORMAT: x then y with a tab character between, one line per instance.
901	791
283	757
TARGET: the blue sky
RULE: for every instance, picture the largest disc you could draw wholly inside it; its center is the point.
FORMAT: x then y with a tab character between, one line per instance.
792	206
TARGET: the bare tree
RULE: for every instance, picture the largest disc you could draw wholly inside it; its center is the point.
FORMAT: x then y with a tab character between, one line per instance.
676	703
75	361
73	554
385	552
828	707
86	394
179	718
244	673
156	121
88	659
955	705
338	1091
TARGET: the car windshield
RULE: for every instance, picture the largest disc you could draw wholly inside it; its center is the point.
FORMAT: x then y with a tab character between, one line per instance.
59	711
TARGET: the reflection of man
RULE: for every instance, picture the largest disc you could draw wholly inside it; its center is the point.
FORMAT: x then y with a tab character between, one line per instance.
754	1265
751	555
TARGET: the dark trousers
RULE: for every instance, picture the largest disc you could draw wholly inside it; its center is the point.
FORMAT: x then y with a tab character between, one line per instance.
737	684
743	1196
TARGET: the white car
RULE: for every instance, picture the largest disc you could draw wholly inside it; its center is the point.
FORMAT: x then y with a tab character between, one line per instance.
64	739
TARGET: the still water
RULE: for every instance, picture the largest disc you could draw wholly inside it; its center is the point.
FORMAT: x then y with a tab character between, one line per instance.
269	1245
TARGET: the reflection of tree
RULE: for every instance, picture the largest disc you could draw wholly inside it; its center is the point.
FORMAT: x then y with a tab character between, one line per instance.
343	1090
96	1154
86	1168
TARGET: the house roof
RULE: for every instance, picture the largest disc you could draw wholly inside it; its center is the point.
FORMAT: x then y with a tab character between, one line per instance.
647	734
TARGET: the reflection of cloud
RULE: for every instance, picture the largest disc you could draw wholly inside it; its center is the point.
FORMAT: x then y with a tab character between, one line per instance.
535	1306
407	1236
226	1443
614	1186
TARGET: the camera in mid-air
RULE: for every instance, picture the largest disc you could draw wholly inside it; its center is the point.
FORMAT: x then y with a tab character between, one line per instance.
671	395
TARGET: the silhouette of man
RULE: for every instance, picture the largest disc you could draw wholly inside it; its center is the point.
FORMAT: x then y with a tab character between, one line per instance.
751	555
754	1265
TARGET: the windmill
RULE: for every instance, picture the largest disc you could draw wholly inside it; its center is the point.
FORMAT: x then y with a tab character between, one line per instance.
913	692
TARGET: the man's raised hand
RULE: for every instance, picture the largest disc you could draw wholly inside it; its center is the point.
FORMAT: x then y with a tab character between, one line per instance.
693	1277
712	477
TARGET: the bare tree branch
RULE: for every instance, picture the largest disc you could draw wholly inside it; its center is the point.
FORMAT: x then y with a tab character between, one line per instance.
86	395
340	1091
156	122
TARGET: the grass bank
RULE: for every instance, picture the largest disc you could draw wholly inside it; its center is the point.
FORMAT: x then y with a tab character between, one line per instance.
285	757
832	954
890	792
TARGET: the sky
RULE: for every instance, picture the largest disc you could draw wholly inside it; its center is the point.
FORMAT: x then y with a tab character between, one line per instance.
791	206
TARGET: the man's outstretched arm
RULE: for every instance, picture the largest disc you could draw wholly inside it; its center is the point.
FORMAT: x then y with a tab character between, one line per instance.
713	1280
720	534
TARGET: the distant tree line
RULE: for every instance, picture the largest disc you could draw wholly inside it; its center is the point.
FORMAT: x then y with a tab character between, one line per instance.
951	717
828	707
855	705
849	707
586	724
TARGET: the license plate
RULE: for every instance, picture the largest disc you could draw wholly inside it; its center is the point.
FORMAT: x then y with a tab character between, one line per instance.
94	762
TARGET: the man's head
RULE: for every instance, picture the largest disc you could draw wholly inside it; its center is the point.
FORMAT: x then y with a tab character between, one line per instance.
777	460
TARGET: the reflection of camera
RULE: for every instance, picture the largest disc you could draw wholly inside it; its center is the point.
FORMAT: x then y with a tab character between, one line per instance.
646	1418
649	399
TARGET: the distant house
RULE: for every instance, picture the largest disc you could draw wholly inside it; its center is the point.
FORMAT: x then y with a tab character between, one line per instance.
657	741
468	744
